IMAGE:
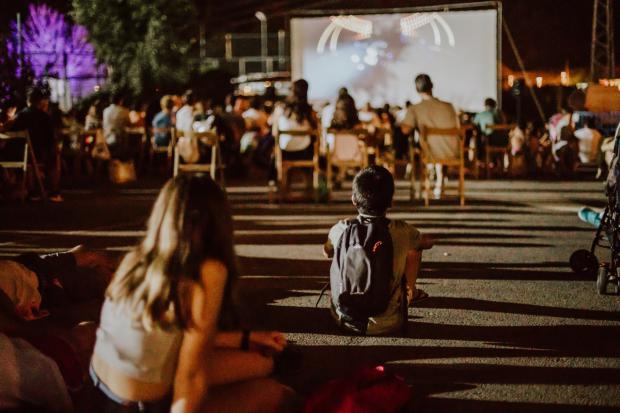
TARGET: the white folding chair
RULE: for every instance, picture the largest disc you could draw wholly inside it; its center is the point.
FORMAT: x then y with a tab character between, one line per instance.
215	165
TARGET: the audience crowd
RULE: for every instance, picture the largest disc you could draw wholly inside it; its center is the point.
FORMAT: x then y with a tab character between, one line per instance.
73	146
166	335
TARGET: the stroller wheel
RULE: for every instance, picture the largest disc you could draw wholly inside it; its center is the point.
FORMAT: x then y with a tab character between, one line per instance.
601	280
584	262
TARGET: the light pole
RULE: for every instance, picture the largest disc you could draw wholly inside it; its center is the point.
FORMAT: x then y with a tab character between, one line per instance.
263	37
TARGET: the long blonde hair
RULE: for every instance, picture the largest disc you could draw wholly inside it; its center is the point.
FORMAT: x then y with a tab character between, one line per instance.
190	222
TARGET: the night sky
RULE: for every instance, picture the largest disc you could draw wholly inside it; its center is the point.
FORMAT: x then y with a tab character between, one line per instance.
549	33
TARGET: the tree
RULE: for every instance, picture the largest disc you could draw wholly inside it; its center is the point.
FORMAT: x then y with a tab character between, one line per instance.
145	45
55	47
15	78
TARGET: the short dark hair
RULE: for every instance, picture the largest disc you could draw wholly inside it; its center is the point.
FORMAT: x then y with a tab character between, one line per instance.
490	102
423	83
373	190
118	97
36	94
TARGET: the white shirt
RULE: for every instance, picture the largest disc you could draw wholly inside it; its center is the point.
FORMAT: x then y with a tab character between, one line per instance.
589	140
185	118
288	142
115	120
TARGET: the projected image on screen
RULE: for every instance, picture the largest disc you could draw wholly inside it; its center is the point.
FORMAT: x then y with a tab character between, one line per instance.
377	56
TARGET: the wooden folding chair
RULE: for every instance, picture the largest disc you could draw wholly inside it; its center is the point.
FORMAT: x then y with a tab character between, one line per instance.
215	165
284	166
167	150
28	158
426	158
491	150
349	150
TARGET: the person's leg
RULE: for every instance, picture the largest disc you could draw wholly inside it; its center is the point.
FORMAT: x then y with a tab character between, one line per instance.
438	180
231	366
255	396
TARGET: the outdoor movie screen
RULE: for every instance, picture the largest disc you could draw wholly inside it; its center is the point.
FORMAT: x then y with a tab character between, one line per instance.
377	56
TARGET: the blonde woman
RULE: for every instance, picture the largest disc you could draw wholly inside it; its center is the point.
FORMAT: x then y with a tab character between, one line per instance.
157	347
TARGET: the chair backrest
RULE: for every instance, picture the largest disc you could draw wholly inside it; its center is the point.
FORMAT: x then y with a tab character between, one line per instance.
502	127
297	132
164	131
293	132
346	146
444	133
22	134
135	130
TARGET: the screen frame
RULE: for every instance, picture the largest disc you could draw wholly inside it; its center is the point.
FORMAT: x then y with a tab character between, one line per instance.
484	5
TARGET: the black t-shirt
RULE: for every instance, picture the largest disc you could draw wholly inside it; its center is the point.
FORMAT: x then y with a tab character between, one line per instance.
39	126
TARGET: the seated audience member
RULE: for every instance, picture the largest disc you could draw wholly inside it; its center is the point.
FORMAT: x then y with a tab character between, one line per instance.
35	118
92	121
295	114
433	113
590	140
158	347
345	113
115	120
31	285
373	190
489	116
367	115
185	115
162	122
256	125
203	116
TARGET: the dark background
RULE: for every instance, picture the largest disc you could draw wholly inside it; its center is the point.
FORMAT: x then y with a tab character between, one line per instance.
548	33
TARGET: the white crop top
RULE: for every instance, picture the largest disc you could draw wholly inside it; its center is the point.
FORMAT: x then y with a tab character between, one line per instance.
147	356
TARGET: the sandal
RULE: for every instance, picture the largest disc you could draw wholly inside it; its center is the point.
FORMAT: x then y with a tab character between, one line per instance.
418	296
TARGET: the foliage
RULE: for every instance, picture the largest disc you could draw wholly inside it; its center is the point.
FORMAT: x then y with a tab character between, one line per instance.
146	45
56	48
14	78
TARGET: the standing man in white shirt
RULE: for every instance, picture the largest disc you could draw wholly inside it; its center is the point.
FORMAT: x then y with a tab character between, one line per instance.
115	120
185	115
433	113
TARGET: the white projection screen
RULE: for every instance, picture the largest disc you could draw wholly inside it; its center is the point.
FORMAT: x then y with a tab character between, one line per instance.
377	56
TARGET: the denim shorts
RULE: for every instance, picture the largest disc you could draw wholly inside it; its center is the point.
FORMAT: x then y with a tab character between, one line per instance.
113	403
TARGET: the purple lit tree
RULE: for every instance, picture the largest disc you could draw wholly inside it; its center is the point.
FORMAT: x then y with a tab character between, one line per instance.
56	48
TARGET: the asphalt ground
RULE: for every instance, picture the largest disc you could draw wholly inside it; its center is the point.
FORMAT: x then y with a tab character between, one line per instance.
508	326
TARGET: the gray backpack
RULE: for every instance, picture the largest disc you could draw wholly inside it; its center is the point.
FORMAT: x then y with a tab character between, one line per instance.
362	269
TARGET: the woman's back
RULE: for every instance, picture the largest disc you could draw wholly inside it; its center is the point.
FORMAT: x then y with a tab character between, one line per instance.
149	356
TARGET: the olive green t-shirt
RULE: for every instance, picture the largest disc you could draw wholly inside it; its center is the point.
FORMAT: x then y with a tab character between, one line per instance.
405	237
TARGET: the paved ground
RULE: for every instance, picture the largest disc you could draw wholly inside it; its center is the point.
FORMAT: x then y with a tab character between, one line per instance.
508	327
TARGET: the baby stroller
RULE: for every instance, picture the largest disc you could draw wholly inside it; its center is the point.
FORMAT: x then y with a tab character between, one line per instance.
607	236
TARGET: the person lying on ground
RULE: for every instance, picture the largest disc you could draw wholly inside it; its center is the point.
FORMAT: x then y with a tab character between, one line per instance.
33	284
402	245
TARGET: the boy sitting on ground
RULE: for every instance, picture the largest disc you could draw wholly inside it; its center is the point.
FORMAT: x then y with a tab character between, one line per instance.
368	294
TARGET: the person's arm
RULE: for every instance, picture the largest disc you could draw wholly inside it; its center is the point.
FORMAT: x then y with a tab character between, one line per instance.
333	238
261	340
426	242
191	380
328	249
409	123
